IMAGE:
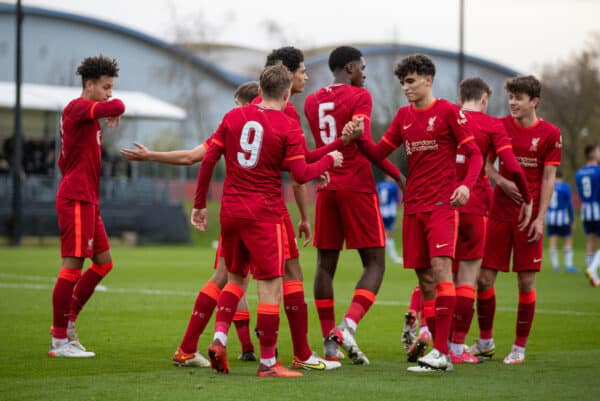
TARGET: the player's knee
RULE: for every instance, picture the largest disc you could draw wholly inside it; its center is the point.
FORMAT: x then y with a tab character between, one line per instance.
102	269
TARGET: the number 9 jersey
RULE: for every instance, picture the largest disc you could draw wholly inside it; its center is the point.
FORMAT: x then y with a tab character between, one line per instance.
327	111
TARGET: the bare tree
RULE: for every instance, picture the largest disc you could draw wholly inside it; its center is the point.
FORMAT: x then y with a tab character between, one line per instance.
571	100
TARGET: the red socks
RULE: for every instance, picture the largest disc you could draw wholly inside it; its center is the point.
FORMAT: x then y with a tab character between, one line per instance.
297	314
326	312
61	300
361	303
486	308
241	319
463	313
429	315
525	315
416	301
86	285
445	302
267	327
226	306
203	310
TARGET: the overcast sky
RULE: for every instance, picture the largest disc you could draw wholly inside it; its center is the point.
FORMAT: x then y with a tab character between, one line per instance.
522	34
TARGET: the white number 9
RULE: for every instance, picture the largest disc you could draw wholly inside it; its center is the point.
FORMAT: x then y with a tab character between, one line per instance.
253	148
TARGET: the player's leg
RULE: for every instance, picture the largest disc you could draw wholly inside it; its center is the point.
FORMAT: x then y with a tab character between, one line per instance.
469	253
568	249
590	241
553	247
409	331
525	315
76	223
496	258
358	211
328	239
390	244
187	353
593	231
265	246
241	320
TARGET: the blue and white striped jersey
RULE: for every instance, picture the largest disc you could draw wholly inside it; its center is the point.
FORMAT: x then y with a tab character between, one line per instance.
587	179
389	196
560	209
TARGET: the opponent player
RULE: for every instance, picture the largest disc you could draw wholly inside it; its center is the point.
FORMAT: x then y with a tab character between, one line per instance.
559	223
431	130
187	354
389	199
347	208
82	233
537	146
257	140
491	137
587	179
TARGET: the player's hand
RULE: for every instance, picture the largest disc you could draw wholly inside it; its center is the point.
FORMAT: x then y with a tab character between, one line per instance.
460	196
323	180
536	230
353	130
304	231
525	215
112	122
511	190
199	219
140	154
338	158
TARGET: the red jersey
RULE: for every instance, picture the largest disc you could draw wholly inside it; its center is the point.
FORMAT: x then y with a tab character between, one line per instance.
256	143
81	147
430	137
534	147
491	137
327	111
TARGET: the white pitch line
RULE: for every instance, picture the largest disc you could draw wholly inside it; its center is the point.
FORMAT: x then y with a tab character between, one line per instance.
147	291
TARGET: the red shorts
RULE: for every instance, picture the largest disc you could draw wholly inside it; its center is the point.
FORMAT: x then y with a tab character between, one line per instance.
428	234
471	238
82	232
504	237
350	216
253	246
290	245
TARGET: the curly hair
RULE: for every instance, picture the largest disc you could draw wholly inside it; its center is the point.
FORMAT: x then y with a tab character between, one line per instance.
419	63
526	84
343	55
288	56
92	68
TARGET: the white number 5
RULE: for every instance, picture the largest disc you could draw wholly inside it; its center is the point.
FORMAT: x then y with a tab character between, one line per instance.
329	135
253	148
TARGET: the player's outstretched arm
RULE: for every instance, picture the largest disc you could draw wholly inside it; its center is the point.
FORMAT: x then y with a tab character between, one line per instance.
508	187
204	175
110	108
184	157
302	172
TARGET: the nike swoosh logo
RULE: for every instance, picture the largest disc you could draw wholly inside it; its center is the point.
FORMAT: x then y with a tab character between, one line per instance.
315	366
438	246
407	126
537	260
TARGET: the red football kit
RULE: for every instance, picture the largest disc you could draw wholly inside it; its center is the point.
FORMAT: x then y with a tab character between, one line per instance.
77	199
430	137
349	201
534	147
491	138
256	143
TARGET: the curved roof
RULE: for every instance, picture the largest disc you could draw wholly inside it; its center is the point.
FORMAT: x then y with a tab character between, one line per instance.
374	49
229	77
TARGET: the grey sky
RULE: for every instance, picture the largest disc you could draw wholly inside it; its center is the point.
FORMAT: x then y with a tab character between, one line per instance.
522	34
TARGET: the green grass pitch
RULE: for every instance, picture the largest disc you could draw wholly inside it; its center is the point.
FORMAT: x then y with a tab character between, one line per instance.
135	326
